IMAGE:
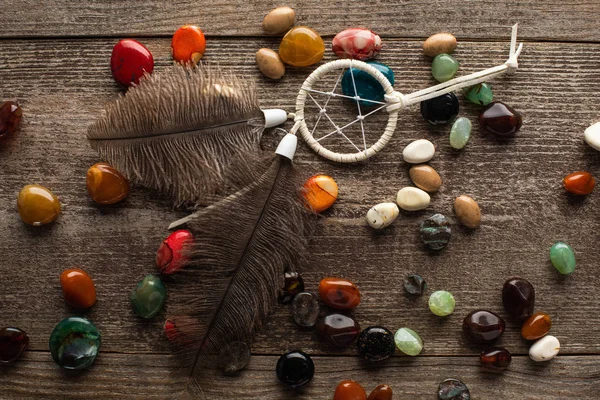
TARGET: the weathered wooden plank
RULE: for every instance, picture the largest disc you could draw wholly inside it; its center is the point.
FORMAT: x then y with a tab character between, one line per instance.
479	19
146	377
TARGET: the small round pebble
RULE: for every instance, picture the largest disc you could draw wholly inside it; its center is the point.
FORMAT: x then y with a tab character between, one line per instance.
74	343
439	43
13	342
415	285
78	288
234	357
592	136
382	215
563	258
295	368
442	303
339	330
408	341
480	94
467	211
412	199
419	151
37	205
579	183
148	297
129	61
496	359
444	67
453	389
425	177
349	390
305	309
435	231
381	392
270	64
536	326
460	133
544	349
440	110
292	285
376	343
279	20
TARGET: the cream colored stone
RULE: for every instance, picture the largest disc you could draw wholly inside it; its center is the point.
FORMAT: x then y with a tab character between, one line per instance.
544	349
382	215
279	20
270	64
412	199
419	151
440	43
592	136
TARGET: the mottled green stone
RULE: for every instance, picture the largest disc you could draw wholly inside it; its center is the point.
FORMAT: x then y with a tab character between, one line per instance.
460	133
479	94
563	258
74	343
408	341
441	303
444	67
148	297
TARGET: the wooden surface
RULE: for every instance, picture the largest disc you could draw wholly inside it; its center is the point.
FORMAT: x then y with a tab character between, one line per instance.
54	61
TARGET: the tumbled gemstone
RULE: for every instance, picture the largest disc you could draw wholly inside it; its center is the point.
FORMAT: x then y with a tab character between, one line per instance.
279	20
518	298
339	293
592	136
435	231
440	110
339	330
349	390
495	359
425	177
269	63
367	87
10	117
500	119
74	343
444	67
381	392
358	43
453	389
479	94
170	256
441	303
563	258
305	309
412	199
439	43
581	183
418	151
376	343
415	285
78	288
536	326
188	44
483	326
301	46
37	205
148	297
130	60
382	215
105	184
320	192
467	211
460	133
234	357
13	342
292	285
544	349
408	341
295	368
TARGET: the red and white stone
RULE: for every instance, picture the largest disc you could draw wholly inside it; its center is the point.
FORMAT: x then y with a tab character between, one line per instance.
357	43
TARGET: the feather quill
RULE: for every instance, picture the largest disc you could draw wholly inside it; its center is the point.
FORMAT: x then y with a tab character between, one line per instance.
178	130
242	246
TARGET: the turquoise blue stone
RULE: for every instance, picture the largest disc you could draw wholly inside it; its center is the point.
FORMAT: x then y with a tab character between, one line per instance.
563	258
460	133
148	297
74	343
367	87
479	94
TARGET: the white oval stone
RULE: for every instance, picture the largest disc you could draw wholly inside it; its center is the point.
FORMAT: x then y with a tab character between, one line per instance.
412	199
382	215
592	136
419	151
544	349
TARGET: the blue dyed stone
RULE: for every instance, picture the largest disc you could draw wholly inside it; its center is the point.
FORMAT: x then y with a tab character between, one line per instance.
367	86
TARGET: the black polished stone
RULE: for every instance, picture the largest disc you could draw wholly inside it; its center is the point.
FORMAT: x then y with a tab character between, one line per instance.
376	343
295	368
440	110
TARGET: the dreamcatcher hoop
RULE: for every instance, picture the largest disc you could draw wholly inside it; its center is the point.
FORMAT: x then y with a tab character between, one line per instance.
394	101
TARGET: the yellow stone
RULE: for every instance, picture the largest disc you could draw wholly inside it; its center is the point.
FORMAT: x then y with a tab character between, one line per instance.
37	205
301	47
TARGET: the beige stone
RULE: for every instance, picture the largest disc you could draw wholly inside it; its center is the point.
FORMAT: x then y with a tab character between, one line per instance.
425	177
467	211
279	20
270	64
440	43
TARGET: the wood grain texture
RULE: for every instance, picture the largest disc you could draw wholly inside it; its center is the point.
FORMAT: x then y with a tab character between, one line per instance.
481	19
62	85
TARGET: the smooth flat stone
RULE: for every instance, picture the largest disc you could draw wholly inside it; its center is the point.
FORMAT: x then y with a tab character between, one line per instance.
412	199
305	309
78	288
418	152
74	343
408	341
444	67
37	205
442	303
425	177
563	258
544	349
279	20
301	47
130	61
460	133
480	94
382	215
440	43
453	389
170	257
376	343
467	211
269	63
148	297
592	136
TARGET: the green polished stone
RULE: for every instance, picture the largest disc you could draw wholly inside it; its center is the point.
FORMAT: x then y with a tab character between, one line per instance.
148	297
479	94
74	343
408	341
563	258
441	303
444	67
460	133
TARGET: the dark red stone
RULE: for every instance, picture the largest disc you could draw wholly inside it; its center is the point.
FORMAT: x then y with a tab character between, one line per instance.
495	359
130	60
10	117
13	341
518	297
483	326
500	119
339	330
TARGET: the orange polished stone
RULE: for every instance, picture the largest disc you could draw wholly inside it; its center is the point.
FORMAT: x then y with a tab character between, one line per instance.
580	182
78	288
536	326
105	184
301	47
320	192
339	293
381	392
37	205
188	44
349	390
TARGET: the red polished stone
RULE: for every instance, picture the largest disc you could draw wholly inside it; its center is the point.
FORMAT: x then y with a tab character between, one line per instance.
580	182
495	359
349	390
500	119
339	330
169	257
536	326
381	392
339	293
13	341
10	117
130	60
78	288
483	326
